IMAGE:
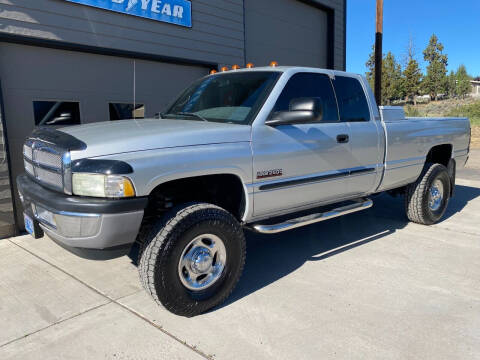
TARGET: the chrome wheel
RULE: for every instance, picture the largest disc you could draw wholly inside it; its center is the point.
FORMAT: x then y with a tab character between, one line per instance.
202	262
436	195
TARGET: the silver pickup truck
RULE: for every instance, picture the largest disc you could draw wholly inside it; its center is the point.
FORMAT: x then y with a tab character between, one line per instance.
268	149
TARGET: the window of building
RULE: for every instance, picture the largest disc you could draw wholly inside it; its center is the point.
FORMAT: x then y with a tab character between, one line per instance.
124	111
310	85
352	103
56	113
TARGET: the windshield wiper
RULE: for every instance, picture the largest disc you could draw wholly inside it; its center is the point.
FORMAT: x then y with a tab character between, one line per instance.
192	115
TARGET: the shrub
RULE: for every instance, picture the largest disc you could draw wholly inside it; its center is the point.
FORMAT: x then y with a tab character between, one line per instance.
471	111
412	111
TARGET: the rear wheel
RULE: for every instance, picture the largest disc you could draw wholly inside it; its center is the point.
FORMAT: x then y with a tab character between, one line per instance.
192	258
426	200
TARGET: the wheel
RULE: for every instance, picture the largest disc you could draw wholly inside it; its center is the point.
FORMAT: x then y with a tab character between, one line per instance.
192	258
426	199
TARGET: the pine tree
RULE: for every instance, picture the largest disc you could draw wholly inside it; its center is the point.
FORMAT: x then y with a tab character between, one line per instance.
412	77
370	64
463	81
391	76
435	81
391	79
452	84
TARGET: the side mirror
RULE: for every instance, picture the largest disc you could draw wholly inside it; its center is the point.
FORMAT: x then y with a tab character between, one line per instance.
301	111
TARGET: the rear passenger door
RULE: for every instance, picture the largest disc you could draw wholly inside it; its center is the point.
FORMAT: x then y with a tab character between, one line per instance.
366	135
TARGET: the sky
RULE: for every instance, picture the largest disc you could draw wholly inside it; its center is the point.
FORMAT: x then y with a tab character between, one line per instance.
456	24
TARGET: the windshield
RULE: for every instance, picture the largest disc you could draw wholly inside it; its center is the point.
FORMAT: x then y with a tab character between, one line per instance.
228	98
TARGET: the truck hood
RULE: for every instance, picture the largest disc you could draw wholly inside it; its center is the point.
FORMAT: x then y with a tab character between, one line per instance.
113	137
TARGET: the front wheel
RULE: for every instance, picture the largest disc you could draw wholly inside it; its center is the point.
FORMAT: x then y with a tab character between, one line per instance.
192	258
426	200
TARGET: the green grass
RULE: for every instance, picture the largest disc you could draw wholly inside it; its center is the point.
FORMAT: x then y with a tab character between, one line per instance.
471	111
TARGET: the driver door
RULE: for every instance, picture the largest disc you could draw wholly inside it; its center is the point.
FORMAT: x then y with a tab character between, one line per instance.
298	165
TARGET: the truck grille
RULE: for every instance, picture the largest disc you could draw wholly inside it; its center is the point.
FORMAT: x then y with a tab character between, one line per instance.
46	164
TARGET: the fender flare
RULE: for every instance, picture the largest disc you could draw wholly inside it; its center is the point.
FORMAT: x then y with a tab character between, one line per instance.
247	198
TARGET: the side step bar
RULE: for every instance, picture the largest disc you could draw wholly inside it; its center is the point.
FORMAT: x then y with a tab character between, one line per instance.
358	205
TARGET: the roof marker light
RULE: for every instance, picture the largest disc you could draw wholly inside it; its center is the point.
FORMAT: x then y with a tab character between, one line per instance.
250	65
274	64
213	72
224	68
235	67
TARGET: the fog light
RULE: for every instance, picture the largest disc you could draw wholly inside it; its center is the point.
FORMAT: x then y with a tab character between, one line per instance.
78	226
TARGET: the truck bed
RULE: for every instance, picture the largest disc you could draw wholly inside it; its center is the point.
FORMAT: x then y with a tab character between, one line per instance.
408	141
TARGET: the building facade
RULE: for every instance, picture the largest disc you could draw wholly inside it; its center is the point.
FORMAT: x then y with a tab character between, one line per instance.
475	91
65	62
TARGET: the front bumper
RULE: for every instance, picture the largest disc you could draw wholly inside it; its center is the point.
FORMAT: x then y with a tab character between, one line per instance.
82	222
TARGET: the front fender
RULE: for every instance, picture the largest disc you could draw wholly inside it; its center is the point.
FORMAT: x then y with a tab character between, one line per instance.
152	168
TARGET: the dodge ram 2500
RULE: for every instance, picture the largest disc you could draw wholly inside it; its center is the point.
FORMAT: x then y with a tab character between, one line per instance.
269	149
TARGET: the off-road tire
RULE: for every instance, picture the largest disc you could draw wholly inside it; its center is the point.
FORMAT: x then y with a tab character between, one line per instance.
417	195
162	248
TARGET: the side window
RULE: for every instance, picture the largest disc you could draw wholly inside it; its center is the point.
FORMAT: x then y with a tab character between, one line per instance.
310	85
352	103
56	113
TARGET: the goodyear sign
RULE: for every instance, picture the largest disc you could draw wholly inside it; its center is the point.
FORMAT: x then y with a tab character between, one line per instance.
178	12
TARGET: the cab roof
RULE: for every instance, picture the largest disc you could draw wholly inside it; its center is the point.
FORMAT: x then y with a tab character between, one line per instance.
284	69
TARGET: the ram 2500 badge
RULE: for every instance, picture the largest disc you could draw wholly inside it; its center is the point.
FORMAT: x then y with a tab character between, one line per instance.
268	149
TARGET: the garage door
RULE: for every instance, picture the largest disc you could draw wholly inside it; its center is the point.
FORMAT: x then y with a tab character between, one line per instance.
293	33
54	87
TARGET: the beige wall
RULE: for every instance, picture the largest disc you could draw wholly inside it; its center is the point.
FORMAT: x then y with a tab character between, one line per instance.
475	89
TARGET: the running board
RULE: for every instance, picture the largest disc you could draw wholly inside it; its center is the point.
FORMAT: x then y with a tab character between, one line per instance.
358	205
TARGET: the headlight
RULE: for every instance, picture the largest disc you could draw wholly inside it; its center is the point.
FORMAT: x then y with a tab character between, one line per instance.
99	185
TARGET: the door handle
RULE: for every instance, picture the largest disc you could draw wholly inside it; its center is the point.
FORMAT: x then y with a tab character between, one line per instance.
342	138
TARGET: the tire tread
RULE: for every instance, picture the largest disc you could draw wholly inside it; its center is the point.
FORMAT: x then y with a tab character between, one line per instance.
160	238
416	192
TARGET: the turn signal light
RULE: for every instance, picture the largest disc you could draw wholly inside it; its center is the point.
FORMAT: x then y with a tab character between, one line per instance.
128	189
250	66
213	72
224	68
274	64
235	67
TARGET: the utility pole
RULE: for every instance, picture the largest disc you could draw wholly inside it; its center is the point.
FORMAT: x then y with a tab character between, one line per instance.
378	53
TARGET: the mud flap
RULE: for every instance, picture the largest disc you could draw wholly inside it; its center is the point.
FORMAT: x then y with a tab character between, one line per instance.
452	170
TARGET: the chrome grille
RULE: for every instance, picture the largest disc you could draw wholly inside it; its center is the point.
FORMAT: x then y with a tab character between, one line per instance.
49	177
28	167
46	157
45	164
27	151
